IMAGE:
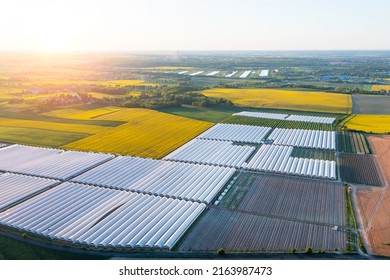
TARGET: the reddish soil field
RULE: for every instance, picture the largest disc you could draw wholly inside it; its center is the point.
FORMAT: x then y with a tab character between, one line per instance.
374	203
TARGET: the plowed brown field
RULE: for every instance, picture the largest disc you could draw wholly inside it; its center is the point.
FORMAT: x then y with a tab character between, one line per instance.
374	204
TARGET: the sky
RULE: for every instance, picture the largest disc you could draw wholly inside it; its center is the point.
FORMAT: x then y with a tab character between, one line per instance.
147	25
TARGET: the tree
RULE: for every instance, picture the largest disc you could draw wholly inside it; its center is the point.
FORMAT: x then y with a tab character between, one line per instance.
221	251
309	250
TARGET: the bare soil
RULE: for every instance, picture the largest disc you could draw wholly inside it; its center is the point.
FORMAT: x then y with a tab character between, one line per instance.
374	203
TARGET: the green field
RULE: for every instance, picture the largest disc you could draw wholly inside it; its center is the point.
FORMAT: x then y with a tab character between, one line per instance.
207	114
38	137
352	142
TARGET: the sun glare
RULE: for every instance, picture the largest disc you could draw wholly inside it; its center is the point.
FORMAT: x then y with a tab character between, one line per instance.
56	31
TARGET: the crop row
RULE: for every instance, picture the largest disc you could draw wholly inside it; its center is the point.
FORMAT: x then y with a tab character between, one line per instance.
352	142
236	231
293	198
359	169
274	123
146	133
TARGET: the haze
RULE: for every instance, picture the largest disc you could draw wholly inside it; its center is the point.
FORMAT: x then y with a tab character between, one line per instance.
119	25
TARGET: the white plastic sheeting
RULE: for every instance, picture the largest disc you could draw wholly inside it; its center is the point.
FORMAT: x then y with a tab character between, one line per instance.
245	74
264	73
50	163
196	73
236	133
261	115
14	188
104	217
222	153
313	119
2	145
213	73
172	179
182	72
270	158
231	74
278	159
311	167
304	138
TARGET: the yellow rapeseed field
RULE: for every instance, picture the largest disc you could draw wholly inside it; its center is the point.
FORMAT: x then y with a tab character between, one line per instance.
368	123
146	133
82	114
76	128
286	99
380	87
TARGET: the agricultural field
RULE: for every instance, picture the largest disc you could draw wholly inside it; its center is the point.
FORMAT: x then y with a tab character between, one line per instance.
360	169
313	153
243	232
277	123
146	133
373	203
291	198
97	129
82	114
286	99
370	104
352	142
54	126
368	123
38	137
208	114
380	87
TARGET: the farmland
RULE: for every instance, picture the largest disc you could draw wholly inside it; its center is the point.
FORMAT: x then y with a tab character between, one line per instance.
368	123
76	128
94	130
146	133
80	114
286	99
370	104
259	175
39	137
380	87
238	231
292	198
352	142
277	123
360	169
373	203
